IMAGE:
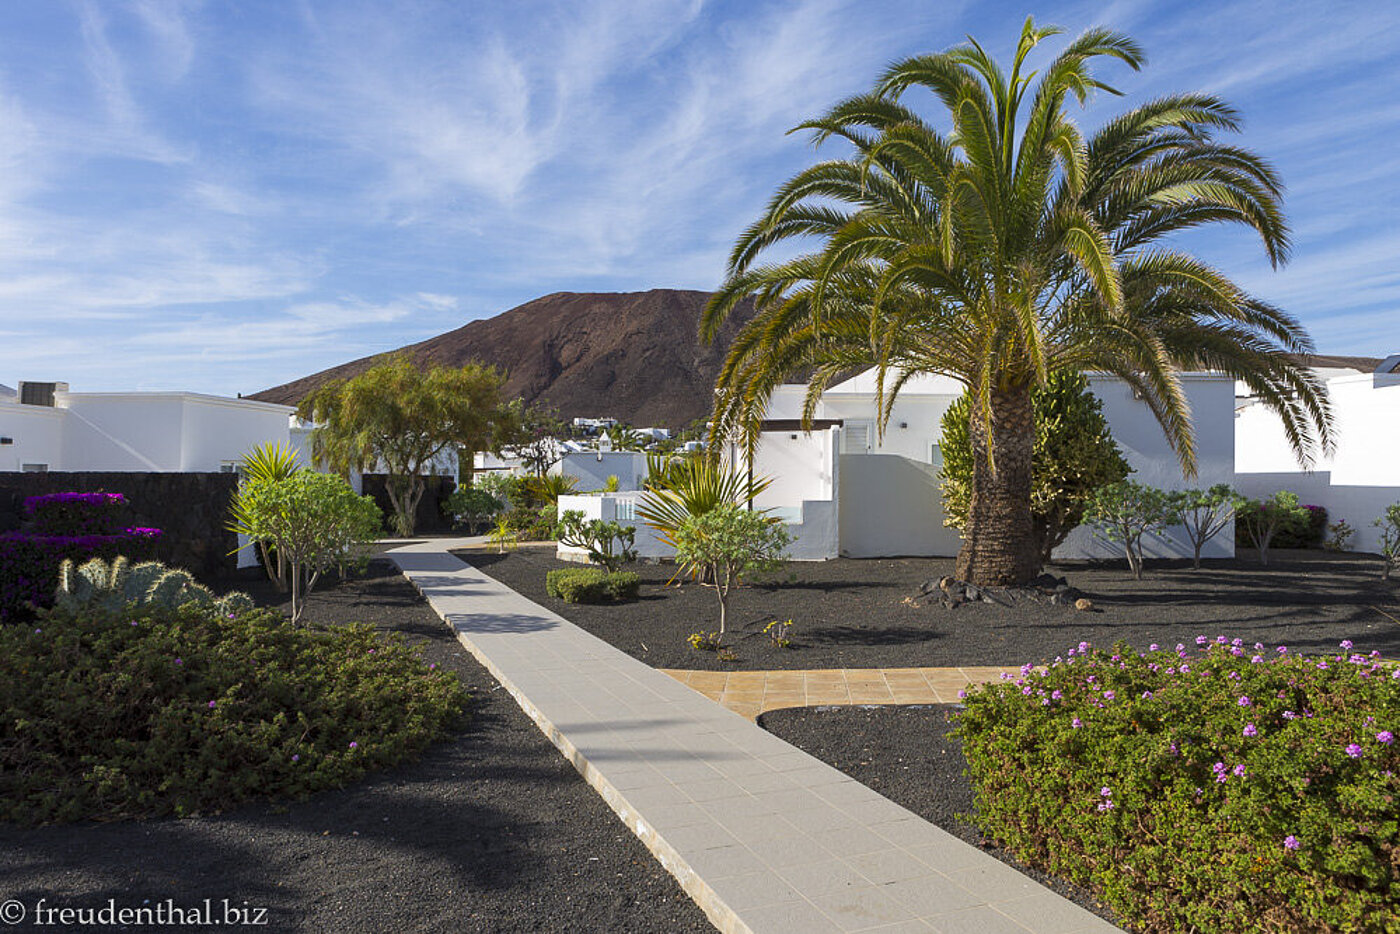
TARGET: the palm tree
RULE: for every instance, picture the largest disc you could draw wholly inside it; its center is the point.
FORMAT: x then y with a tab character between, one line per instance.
1008	248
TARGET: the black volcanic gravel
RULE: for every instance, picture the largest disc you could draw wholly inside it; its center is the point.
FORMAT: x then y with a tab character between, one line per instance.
861	613
906	754
491	831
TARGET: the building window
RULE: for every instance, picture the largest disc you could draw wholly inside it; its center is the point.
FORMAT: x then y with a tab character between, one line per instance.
34	468
935	456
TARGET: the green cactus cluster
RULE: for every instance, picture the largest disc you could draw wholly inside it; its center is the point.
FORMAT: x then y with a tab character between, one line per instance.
100	586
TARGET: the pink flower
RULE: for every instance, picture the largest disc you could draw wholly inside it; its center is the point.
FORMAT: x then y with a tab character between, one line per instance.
1386	737
1290	842
1354	751
1250	730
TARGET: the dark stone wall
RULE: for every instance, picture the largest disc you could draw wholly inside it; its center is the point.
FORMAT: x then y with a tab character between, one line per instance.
429	516
191	509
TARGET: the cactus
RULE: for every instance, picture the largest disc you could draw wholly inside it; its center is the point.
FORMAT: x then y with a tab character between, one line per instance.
98	586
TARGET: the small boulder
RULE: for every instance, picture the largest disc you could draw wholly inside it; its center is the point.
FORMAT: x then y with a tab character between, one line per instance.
1084	604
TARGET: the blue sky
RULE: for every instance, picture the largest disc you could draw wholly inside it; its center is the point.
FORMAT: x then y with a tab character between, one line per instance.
223	196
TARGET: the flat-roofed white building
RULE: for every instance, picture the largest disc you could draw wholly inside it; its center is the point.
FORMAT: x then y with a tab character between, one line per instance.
46	427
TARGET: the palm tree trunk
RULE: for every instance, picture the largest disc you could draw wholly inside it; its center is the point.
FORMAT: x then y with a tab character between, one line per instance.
999	545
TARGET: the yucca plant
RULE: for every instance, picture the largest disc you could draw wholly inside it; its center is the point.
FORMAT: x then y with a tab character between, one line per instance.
683	487
266	462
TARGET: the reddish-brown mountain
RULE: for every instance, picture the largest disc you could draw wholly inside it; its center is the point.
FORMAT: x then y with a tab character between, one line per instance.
630	355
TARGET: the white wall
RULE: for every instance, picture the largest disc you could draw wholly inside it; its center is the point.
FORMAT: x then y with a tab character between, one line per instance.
1145	448
890	506
119	431
1358	481
593	469
217	431
36	435
801	465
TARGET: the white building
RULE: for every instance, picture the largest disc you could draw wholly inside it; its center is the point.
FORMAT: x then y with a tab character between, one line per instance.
845	490
1361	478
45	427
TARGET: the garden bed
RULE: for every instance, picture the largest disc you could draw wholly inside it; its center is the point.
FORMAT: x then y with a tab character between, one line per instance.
492	830
863	613
906	754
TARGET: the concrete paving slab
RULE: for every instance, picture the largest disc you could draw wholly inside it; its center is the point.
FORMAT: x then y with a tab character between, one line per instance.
765	838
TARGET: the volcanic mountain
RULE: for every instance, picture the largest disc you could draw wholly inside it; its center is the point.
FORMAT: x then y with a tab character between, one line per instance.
634	356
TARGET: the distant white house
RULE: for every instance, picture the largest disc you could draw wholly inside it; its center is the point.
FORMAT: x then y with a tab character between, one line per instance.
45	427
845	490
1361	479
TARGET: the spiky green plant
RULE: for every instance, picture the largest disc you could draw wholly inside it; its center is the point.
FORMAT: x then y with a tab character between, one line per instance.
686	487
266	462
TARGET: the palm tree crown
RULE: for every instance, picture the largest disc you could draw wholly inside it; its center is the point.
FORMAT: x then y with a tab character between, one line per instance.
1011	246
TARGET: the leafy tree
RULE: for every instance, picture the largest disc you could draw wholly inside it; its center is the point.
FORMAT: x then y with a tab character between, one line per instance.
608	543
535	435
471	506
1389	524
1203	513
1004	247
1074	455
1261	519
314	520
1124	512
270	461
399	416
725	544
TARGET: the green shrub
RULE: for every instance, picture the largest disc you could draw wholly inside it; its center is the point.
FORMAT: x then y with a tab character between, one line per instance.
154	710
1221	789
1259	522
591	585
471	506
609	543
1306	530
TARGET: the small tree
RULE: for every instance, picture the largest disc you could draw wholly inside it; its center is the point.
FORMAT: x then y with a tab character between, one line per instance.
1074	454
314	521
270	461
472	506
1204	513
1124	512
396	415
1389	524
726	544
1261	519
608	543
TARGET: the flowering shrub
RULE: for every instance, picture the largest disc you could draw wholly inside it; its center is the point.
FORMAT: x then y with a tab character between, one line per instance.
29	563
76	513
155	710
1217	787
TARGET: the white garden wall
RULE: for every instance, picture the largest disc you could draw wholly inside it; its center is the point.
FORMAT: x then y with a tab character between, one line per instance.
1358	481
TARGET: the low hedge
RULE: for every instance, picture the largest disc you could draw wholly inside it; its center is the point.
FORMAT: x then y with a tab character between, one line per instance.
1215	787
152	711
591	585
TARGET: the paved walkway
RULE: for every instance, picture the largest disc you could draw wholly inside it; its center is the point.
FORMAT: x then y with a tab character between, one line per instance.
765	838
750	693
